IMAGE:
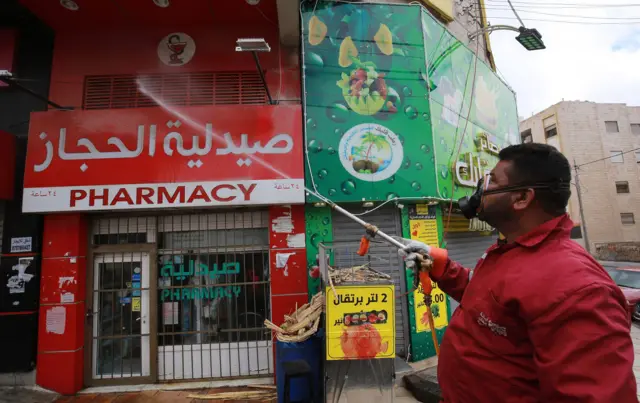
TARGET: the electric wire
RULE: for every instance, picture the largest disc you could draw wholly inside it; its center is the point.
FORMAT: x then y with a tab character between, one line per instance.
535	4
607	158
589	17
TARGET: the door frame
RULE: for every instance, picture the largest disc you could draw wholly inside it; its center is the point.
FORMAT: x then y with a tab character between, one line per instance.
151	251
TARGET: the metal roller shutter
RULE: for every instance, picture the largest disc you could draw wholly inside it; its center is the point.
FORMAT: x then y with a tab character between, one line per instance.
383	257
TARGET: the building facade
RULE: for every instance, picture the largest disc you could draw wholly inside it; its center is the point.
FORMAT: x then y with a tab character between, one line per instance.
176	197
603	141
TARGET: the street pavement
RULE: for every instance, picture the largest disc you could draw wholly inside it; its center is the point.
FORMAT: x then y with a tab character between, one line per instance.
29	395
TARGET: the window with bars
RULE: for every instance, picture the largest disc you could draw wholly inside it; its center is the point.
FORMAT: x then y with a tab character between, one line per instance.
176	89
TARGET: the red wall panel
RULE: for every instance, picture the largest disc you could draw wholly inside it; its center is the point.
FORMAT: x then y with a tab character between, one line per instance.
61	320
63	280
291	276
134	51
7	50
7	163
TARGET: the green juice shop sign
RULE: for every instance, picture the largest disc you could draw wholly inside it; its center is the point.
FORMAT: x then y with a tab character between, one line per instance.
387	92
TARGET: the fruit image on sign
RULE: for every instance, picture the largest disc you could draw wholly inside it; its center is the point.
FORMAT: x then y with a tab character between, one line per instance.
363	68
360	322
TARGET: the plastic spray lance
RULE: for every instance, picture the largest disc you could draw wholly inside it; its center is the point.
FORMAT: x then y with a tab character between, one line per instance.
434	263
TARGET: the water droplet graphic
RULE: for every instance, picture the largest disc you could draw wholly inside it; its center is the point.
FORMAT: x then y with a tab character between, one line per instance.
456	187
401	138
425	148
391	196
407	163
406	91
332	192
411	112
331	150
315	146
418	166
315	240
313	59
338	113
444	171
348	187
433	159
416	186
445	192
322	173
325	232
326	220
425	116
442	140
392	179
311	124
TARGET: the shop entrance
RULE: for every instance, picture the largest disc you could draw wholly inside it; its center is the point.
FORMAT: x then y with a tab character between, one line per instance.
121	323
179	297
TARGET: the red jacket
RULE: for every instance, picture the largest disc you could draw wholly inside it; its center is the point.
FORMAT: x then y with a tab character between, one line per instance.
539	321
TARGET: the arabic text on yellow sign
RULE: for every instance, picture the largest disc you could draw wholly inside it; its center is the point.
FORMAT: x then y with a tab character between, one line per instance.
360	322
426	231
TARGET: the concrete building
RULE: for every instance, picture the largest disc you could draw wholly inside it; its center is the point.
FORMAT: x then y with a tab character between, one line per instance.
603	140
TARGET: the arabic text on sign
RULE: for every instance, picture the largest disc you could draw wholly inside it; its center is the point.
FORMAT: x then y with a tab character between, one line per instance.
200	269
358	300
172	142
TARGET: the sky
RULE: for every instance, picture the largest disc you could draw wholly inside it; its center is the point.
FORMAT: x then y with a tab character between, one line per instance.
597	60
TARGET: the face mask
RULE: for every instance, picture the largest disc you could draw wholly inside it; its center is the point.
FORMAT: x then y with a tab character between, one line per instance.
470	205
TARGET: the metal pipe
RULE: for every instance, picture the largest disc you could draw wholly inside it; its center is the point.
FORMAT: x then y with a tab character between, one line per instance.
365	224
264	80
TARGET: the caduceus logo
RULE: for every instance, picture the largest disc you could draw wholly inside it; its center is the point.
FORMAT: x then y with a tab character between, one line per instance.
176	49
176	46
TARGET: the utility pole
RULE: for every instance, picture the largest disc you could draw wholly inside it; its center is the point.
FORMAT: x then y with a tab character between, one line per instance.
583	222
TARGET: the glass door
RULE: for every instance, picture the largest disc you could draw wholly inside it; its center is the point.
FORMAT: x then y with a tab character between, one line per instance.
121	316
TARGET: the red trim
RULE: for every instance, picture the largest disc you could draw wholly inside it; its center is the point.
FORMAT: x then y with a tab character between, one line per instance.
17	313
30	254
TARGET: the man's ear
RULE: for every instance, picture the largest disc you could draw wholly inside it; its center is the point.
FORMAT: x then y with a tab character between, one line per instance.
524	199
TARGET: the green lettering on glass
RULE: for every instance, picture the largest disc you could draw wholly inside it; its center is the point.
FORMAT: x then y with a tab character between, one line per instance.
180	273
204	293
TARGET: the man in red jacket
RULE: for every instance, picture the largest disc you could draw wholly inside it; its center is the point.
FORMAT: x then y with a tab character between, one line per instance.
539	319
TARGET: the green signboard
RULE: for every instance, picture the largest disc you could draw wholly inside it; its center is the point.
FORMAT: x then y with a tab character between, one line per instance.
388	93
473	113
367	108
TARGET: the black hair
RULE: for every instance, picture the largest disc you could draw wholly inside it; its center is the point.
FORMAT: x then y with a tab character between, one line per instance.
544	167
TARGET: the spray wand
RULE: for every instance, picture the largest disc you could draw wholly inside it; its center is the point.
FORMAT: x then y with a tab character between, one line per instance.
420	273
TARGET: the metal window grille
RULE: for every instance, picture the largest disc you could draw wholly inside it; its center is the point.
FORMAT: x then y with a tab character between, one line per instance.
198	305
177	89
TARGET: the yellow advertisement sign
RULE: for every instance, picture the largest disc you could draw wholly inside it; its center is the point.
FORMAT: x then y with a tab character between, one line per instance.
360	322
426	231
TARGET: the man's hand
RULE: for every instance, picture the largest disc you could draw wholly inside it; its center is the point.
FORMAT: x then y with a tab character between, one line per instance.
415	251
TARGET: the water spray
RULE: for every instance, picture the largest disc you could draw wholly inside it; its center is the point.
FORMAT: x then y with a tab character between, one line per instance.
371	230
